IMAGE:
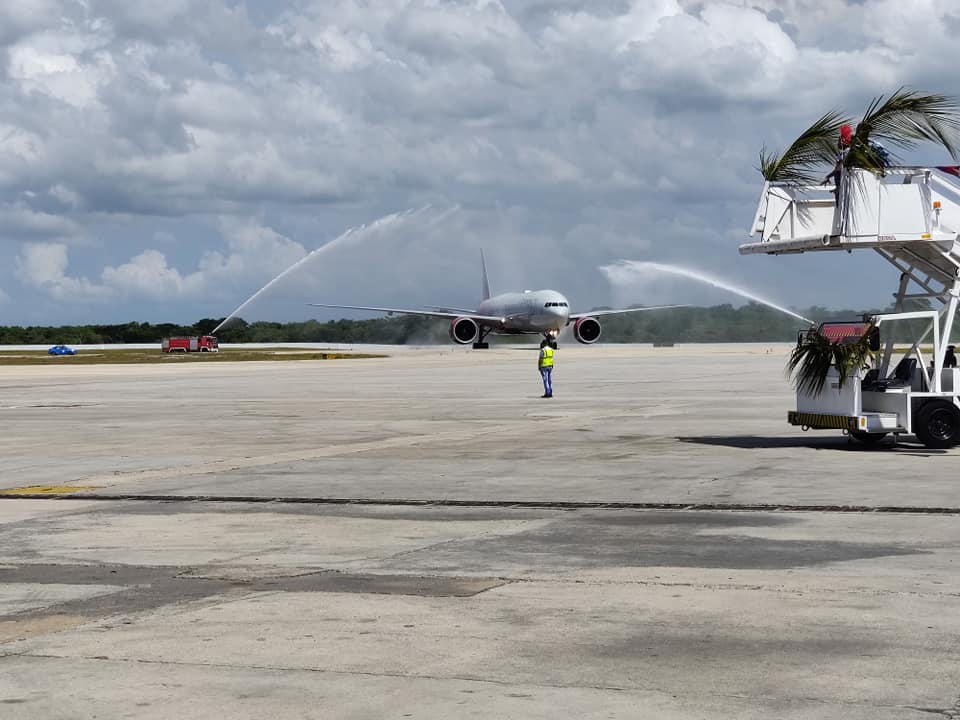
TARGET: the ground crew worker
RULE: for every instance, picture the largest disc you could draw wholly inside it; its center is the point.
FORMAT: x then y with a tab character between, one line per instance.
545	363
843	149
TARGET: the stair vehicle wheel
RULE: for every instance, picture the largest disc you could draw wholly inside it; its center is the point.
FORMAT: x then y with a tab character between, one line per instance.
867	438
938	424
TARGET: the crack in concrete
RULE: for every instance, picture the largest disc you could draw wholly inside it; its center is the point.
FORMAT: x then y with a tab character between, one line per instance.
806	590
950	713
519	504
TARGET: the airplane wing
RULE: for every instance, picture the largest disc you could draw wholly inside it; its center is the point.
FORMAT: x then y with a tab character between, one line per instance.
429	313
576	316
445	308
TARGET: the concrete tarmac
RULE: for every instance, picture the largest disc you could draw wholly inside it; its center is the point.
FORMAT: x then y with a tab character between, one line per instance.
424	536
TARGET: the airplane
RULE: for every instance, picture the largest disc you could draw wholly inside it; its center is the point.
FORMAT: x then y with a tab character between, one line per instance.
531	312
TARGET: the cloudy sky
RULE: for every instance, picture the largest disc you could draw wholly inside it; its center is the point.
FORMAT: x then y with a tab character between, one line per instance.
164	160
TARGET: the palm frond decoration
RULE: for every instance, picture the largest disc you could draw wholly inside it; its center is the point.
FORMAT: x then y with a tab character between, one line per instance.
815	148
810	361
904	120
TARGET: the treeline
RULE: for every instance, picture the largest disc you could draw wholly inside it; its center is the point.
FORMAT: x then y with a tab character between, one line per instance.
133	332
393	331
721	323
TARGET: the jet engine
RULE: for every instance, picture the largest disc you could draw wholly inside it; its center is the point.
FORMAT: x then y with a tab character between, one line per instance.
587	330
464	330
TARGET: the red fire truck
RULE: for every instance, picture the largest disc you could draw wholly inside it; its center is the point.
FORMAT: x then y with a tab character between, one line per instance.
203	343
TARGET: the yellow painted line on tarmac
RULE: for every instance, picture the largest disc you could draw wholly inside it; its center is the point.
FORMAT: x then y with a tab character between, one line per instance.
47	490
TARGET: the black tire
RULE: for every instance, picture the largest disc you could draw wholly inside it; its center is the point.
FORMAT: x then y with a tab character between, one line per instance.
938	424
867	438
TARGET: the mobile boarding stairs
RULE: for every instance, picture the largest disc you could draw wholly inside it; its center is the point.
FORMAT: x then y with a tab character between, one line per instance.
911	218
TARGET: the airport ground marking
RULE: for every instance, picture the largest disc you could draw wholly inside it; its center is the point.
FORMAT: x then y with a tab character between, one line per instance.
47	490
518	504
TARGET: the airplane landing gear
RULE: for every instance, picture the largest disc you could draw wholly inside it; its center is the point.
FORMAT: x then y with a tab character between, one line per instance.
481	343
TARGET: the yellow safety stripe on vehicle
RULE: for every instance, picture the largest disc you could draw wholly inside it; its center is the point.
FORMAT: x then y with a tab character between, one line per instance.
822	422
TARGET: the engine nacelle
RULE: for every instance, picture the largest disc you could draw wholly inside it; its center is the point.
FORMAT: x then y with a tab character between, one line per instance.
464	330
587	330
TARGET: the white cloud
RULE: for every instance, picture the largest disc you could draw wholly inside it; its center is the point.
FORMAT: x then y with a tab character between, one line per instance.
19	221
254	250
606	32
20	18
44	266
148	275
67	66
634	119
43	263
20	150
738	53
253	253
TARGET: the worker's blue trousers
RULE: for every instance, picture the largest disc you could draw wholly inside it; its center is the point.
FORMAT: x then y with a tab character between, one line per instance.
546	373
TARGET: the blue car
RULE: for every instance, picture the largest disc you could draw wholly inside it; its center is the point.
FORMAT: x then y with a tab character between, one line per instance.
61	350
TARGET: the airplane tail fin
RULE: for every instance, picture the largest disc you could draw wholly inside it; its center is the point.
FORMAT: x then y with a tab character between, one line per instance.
486	283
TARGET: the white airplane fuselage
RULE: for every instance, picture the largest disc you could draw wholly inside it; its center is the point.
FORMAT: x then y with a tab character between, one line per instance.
534	311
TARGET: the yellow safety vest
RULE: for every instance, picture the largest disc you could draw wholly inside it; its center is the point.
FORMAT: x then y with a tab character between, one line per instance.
546	357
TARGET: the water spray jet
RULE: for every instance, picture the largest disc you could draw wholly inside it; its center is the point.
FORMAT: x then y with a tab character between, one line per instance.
354	234
625	271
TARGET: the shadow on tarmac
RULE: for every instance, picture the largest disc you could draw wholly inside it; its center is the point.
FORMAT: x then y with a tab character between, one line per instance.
842	444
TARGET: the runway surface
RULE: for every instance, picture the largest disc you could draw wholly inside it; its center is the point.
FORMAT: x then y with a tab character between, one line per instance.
424	536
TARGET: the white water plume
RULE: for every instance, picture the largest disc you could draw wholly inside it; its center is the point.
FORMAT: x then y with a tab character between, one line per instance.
630	272
353	235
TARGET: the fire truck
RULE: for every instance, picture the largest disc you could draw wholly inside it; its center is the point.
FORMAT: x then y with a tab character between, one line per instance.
203	343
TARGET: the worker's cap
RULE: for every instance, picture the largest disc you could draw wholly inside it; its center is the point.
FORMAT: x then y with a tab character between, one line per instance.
846	134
